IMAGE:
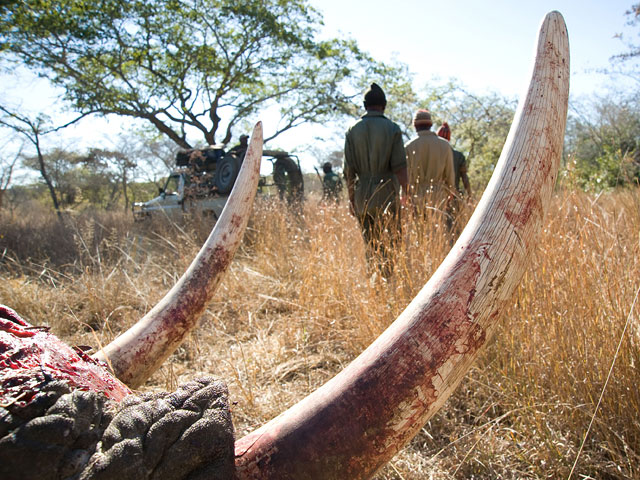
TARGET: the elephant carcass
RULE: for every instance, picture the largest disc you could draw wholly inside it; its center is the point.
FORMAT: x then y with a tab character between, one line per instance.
70	412
356	422
63	415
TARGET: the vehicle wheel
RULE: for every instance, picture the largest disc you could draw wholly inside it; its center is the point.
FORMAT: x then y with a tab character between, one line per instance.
226	173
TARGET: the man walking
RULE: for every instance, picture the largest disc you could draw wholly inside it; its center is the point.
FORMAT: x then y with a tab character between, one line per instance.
331	184
455	205
375	172
430	163
459	162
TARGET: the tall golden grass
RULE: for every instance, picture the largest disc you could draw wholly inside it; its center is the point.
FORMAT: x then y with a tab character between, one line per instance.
555	395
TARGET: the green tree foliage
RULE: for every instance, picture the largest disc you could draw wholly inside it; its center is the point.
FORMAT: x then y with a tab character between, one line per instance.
61	175
187	66
32	130
116	168
603	142
100	178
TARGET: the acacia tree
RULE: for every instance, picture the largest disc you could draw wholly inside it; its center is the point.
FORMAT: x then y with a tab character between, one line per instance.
116	168
33	130
187	66
7	166
64	172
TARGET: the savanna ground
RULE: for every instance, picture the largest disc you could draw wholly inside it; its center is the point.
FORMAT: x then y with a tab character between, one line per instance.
298	305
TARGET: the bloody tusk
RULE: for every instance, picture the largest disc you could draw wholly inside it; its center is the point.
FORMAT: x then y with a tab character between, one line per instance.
139	351
351	426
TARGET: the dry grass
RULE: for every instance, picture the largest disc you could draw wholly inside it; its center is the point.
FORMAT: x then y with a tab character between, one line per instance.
298	305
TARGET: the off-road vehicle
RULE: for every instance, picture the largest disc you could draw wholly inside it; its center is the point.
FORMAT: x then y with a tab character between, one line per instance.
203	179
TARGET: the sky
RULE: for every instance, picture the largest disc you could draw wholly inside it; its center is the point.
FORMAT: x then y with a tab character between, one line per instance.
487	45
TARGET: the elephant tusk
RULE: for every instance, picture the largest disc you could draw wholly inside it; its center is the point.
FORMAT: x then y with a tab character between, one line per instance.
139	351
351	426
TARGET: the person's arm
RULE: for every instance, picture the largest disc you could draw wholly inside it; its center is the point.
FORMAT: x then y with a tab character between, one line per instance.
399	165
465	178
349	175
450	176
350	178
449	171
403	179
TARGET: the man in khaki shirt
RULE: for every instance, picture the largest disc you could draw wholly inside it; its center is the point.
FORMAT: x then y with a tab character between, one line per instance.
429	162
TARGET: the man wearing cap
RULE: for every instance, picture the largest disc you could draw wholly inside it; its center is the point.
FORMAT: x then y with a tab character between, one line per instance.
331	183
430	163
459	162
375	172
460	172
240	149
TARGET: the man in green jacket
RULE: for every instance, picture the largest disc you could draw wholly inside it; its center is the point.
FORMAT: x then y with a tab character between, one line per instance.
459	162
376	174
331	184
456	204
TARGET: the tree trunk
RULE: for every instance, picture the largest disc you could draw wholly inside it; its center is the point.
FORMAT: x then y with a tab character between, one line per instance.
47	179
124	189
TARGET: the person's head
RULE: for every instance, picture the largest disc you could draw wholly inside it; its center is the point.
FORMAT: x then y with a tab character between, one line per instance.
326	167
374	98
422	120
444	131
244	139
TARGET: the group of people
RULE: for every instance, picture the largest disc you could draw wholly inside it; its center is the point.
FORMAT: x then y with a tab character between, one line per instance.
383	174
